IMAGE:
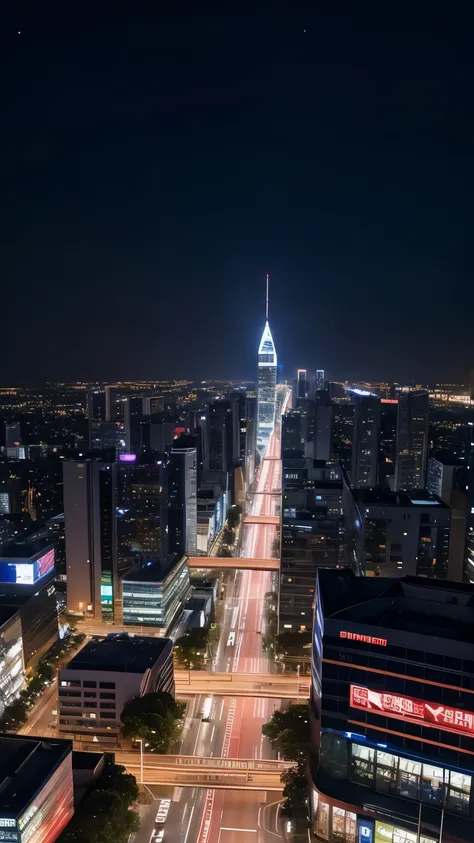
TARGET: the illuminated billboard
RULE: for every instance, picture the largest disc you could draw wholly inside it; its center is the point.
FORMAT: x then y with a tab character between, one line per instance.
413	710
26	572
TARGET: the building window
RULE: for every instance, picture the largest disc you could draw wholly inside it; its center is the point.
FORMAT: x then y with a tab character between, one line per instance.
110	685
107	715
386	772
323	820
107	705
90	705
362	765
409	778
432	785
459	793
107	696
87	683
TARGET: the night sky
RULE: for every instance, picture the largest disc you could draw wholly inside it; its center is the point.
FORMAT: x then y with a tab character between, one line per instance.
154	166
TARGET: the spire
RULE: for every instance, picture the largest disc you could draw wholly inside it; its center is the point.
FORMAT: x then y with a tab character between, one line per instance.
266	307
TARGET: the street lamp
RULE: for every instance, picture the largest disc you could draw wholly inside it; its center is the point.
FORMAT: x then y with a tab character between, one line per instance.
298	682
189	672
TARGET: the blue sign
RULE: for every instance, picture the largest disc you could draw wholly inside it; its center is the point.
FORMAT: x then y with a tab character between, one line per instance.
365	830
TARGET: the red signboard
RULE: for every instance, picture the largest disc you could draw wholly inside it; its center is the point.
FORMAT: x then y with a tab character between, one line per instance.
366	639
416	711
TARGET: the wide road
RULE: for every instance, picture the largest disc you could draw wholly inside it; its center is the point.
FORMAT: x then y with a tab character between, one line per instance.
234	817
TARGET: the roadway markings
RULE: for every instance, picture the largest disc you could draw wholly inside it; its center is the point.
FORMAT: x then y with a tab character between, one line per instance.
206	817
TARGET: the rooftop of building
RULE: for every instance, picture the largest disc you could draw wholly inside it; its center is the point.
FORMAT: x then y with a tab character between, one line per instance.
120	653
438	608
30	549
154	571
410	498
25	766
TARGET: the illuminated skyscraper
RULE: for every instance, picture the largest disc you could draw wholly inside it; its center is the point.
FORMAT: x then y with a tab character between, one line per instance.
267	371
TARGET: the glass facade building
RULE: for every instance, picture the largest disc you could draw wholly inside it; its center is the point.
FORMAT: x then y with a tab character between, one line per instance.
392	710
155	595
267	374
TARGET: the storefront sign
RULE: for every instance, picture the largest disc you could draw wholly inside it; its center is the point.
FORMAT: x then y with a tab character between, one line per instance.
366	639
418	711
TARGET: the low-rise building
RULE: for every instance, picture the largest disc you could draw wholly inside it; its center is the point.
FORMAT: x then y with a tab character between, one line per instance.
106	674
155	595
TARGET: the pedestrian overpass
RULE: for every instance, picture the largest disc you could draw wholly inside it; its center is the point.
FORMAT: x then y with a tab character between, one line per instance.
262	519
193	771
234	563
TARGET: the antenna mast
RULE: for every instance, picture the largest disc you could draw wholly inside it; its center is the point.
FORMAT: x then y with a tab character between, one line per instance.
266	307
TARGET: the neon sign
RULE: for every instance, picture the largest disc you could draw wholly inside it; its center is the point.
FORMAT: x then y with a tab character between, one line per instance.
412	709
366	639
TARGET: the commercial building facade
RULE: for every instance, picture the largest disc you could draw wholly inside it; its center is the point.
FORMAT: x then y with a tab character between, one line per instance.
182	501
106	674
396	533
412	440
365	439
156	594
37	792
267	376
311	536
392	710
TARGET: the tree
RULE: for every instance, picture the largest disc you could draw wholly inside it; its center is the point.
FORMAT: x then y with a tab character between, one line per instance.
289	732
116	778
295	791
190	650
15	715
104	814
156	718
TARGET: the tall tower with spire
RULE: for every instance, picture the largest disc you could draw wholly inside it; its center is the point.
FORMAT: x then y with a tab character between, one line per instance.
267	372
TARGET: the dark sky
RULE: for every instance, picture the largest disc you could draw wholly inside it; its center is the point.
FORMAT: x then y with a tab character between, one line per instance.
154	165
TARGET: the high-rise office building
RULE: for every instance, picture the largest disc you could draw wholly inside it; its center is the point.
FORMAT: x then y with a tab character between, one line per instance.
301	386
90	513
365	439
396	533
392	710
311	535
319	379
182	501
142	511
292	438
106	436
222	454
267	374
153	405
323	427
132	417
412	440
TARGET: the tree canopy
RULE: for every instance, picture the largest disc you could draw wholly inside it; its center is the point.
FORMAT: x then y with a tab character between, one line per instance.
104	815
155	718
190	650
289	732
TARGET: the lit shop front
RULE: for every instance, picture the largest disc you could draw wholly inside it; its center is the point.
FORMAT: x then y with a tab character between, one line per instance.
340	823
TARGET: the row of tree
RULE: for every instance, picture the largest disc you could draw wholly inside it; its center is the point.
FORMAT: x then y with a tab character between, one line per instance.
16	714
289	733
104	815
